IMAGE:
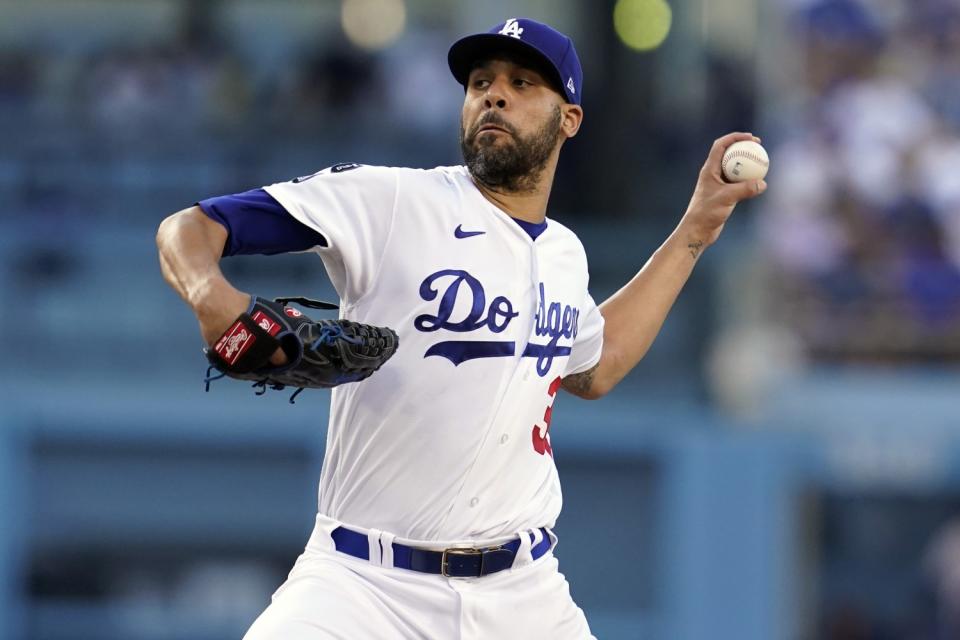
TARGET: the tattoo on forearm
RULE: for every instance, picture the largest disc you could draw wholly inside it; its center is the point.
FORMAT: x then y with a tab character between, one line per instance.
579	383
695	248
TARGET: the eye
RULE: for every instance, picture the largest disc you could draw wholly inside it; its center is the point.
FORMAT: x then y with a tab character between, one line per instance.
480	83
521	83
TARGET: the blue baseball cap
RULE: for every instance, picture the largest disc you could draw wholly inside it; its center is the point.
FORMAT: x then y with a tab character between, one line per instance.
526	36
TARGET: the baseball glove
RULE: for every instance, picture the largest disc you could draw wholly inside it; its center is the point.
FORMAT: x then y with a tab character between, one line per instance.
322	353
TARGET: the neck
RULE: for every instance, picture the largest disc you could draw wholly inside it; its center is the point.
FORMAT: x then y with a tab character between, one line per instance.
529	205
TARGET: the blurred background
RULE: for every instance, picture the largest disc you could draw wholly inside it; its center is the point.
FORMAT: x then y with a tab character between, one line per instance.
784	464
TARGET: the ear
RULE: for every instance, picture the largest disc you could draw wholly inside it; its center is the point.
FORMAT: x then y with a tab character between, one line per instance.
571	117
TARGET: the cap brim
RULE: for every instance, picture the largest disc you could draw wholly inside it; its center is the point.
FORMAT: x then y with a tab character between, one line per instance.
467	51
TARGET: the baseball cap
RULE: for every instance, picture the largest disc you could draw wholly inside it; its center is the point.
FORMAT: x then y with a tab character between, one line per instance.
545	43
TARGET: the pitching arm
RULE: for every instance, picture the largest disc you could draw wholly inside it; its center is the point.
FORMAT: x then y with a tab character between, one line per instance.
634	315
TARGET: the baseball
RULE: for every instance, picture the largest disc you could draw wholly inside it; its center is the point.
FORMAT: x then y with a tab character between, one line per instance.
744	160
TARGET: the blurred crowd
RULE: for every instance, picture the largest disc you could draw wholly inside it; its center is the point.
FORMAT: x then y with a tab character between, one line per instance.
861	225
864	223
204	87
197	86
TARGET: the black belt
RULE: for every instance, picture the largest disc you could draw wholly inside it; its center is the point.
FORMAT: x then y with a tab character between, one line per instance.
453	562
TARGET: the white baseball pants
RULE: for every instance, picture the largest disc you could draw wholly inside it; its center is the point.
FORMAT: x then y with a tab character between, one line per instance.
329	594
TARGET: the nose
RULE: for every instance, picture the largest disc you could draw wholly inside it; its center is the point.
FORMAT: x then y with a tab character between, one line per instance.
495	96
489	102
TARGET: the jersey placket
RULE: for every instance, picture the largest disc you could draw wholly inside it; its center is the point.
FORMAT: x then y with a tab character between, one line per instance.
504	426
469	498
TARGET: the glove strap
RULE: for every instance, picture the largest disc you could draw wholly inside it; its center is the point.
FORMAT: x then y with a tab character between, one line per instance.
249	342
307	302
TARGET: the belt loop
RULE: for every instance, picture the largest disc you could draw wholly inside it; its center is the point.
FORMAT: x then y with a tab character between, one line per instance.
553	539
537	537
373	539
386	545
523	556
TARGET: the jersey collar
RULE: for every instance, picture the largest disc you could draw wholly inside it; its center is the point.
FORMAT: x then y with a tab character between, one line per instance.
533	229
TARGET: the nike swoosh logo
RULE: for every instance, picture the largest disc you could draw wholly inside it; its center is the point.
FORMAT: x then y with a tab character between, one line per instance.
460	233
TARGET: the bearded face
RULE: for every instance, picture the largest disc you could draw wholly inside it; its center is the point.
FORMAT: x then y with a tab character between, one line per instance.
508	161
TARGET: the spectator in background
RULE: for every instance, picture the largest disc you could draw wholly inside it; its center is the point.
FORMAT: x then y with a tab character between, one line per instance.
131	93
333	84
865	227
417	91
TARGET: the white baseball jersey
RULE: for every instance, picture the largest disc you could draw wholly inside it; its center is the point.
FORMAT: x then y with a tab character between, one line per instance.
448	441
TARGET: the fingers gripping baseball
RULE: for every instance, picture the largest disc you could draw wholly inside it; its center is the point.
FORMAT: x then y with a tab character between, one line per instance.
746	190
730	194
714	198
712	166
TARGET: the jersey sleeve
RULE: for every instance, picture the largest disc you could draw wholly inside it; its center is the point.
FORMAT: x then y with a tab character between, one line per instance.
257	224
588	344
352	206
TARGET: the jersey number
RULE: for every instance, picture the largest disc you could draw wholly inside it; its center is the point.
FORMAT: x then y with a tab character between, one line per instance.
541	437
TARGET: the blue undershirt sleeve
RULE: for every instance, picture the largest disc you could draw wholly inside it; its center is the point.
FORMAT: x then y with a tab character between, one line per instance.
258	224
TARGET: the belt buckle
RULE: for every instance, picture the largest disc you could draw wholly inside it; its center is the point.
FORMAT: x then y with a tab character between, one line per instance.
455	551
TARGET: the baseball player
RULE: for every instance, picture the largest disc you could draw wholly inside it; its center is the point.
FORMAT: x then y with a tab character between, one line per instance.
439	493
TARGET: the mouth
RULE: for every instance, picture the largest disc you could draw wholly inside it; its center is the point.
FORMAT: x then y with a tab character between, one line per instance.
491	127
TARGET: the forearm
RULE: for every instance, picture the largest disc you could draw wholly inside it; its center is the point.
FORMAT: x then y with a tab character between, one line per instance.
634	315
190	245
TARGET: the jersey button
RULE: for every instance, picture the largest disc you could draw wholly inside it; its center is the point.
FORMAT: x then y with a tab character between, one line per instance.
474	502
504	438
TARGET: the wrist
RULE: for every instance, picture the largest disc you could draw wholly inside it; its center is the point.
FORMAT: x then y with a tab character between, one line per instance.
216	294
216	305
218	309
693	237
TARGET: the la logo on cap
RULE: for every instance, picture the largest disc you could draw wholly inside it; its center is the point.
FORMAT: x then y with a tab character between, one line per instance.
512	28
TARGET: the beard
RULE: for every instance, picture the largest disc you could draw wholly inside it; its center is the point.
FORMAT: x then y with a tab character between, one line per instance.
514	166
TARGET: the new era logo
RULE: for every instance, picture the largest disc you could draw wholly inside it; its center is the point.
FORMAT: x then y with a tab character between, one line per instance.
512	28
570	86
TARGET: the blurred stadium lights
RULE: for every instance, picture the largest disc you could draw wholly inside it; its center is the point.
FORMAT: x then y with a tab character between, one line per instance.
642	25
373	24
